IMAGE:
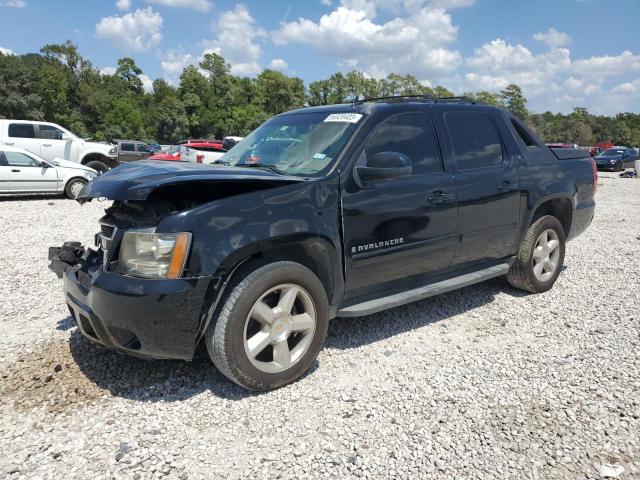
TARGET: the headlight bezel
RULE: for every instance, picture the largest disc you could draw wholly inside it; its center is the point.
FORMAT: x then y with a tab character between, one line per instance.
113	151
147	254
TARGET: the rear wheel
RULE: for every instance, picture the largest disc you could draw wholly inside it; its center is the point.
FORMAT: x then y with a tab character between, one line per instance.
271	327
540	257
74	187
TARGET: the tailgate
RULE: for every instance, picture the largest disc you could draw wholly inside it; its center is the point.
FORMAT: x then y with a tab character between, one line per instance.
194	155
188	154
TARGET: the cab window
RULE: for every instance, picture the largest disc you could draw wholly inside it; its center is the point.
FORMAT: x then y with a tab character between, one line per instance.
22	130
127	147
476	143
411	134
49	132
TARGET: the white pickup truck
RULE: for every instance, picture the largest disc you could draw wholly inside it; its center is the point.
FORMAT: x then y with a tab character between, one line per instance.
51	141
206	151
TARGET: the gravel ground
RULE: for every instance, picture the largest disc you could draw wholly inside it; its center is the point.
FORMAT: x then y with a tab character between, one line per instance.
485	382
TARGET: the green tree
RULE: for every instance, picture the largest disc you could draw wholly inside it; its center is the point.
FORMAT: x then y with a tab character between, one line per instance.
515	101
130	73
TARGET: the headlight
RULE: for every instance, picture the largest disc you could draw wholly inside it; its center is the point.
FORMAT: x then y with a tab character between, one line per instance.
154	255
613	161
113	151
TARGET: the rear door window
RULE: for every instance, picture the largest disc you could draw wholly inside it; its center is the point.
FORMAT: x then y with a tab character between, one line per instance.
411	134
475	140
144	148
22	130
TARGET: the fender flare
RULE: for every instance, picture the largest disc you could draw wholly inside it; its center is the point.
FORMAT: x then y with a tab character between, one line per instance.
236	260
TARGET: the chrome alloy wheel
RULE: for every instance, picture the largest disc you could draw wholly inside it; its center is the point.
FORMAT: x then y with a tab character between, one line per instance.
76	188
546	255
279	328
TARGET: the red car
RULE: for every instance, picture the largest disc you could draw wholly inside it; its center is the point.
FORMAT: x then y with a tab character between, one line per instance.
173	155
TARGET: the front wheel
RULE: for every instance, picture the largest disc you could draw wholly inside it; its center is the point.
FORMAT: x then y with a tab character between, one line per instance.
74	187
271	327
540	257
98	166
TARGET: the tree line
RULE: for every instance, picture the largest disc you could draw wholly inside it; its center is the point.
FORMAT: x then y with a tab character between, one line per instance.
59	85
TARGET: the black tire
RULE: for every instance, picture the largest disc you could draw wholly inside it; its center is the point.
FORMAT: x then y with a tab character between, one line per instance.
225	336
521	273
98	166
68	190
620	167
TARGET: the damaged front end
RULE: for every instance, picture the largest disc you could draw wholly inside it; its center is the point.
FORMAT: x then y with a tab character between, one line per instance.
72	255
115	292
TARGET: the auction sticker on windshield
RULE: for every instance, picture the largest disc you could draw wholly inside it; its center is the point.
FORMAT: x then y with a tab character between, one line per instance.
344	117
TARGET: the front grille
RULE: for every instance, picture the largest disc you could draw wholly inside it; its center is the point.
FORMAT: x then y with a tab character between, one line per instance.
105	237
104	240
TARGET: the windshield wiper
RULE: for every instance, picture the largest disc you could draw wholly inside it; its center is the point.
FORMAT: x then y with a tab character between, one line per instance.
270	168
221	162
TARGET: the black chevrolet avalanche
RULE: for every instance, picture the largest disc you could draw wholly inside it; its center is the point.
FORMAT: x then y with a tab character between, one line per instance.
333	211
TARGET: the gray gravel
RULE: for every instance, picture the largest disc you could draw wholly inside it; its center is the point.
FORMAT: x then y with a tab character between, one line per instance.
486	382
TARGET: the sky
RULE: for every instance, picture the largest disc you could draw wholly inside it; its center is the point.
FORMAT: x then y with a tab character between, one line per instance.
563	53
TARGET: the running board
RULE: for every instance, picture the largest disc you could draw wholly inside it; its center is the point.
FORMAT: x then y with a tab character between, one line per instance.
408	296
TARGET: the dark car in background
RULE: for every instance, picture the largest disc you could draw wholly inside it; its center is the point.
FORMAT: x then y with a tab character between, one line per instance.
132	150
612	159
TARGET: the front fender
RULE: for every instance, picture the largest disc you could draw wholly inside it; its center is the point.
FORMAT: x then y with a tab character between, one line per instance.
231	229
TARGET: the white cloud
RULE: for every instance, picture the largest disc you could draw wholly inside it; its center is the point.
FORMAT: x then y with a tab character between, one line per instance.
627	88
108	71
607	65
6	51
237	41
199	5
500	55
449	4
138	31
278	64
13	3
416	42
326	2
123	4
553	38
147	83
174	62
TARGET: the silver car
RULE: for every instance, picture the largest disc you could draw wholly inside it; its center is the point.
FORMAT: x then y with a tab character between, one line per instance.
22	171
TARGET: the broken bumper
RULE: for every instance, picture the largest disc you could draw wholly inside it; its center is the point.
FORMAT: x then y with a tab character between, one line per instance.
148	318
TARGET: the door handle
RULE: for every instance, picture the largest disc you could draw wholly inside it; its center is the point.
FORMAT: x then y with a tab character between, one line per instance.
9	143
437	198
15	170
46	144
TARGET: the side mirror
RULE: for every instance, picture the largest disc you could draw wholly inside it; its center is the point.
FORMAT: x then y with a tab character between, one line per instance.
384	166
67	137
45	165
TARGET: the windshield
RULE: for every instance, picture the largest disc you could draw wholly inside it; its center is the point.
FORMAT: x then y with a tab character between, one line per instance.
299	144
610	153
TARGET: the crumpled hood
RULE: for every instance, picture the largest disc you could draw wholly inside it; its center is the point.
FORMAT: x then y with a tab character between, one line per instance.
61	162
137	180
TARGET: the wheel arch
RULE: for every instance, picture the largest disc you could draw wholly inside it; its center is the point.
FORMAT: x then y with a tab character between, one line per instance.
101	157
559	206
313	252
